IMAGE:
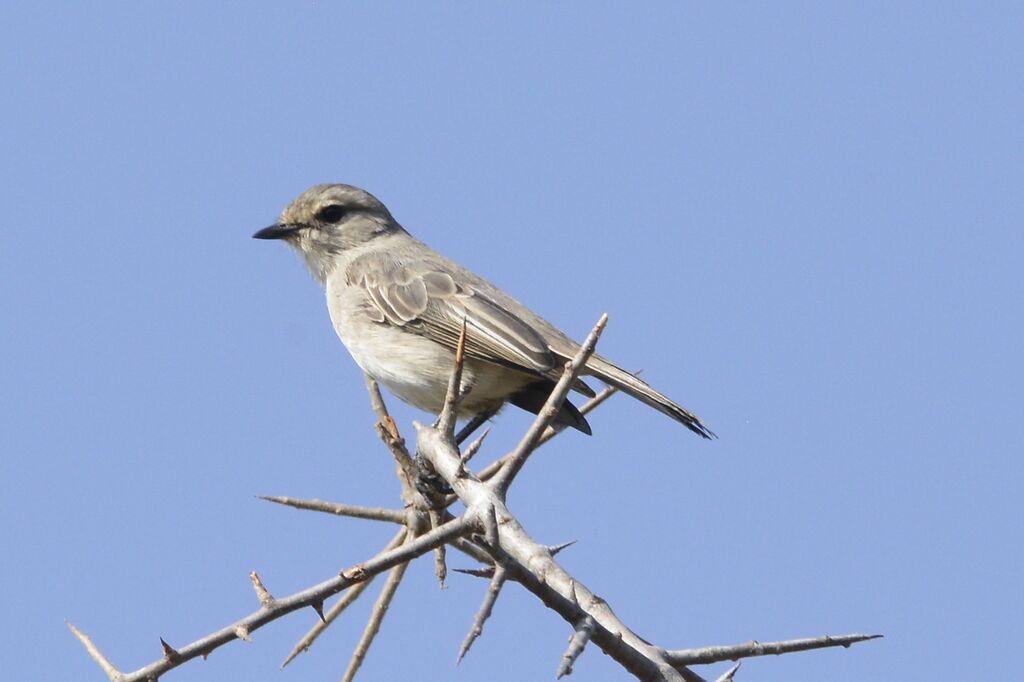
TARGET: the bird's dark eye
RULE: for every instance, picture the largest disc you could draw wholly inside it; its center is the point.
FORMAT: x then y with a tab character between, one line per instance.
332	213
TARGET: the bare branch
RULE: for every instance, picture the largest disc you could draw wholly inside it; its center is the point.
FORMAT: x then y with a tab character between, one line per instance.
300	600
338	607
493	590
577	643
547	414
531	565
338	509
377	402
713	654
416	519
376	618
102	661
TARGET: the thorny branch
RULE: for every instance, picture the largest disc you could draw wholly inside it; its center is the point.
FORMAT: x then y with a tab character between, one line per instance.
489	533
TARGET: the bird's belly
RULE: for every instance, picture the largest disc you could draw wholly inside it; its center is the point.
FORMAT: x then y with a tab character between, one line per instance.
416	369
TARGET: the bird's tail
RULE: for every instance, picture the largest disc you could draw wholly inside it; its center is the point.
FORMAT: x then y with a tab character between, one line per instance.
628	383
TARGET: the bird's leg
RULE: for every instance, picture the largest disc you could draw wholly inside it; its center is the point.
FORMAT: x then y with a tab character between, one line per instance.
473	424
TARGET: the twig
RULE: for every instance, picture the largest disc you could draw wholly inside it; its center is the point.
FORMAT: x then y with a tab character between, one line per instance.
376	617
484	612
577	643
350	510
440	566
547	414
102	661
377	401
713	654
336	609
405	468
285	605
453	396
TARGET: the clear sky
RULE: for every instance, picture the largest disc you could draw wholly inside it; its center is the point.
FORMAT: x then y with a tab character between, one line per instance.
804	220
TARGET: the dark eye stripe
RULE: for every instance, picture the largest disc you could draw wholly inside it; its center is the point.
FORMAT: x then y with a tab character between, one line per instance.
332	213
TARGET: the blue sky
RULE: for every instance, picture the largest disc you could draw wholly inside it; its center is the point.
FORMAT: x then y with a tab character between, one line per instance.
804	220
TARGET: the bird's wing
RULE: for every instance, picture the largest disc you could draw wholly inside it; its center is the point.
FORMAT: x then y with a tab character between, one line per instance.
425	299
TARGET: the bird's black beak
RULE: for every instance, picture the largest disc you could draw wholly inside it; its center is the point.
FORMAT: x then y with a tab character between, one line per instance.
277	231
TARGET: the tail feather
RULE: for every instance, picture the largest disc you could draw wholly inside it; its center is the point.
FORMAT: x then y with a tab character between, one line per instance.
532	398
628	383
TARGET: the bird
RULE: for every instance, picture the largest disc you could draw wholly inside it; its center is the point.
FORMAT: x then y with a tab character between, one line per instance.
399	308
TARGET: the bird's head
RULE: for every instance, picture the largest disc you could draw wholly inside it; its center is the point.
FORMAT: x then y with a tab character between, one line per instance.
327	220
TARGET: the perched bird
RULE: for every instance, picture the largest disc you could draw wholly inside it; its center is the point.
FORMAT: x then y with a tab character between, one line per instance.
399	306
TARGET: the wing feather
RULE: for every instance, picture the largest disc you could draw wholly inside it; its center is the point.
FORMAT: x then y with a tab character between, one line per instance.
427	300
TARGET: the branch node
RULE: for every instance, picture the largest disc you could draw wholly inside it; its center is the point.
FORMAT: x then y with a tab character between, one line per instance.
356	574
242	633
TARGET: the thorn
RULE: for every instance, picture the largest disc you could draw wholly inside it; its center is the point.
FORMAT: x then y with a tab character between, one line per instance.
555	549
318	606
728	675
476	572
472	449
170	653
261	592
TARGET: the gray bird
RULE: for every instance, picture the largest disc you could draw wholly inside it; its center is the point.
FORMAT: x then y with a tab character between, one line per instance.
399	306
